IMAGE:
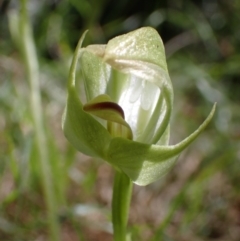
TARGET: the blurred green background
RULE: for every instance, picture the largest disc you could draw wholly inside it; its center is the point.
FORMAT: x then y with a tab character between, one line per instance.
199	199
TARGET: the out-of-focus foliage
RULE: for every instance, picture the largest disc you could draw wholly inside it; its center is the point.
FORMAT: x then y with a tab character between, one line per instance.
200	199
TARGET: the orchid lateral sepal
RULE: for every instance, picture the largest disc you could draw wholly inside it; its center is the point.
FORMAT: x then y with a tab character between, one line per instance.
145	163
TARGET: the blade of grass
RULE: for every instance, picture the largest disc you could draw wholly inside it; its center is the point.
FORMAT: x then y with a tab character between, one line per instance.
31	63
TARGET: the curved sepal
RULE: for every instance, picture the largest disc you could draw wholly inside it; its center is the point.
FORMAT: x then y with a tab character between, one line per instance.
143	44
145	163
141	53
84	132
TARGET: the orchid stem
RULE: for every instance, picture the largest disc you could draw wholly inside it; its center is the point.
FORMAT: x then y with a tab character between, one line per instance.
122	191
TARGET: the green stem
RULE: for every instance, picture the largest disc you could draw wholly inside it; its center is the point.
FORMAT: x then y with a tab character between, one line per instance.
122	191
31	63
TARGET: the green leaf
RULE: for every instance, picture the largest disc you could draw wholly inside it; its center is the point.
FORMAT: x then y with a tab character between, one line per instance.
145	163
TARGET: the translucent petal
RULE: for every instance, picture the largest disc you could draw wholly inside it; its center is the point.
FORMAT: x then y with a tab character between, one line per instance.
140	55
135	88
95	74
148	95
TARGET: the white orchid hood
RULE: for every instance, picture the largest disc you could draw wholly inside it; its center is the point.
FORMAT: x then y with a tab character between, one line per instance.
129	100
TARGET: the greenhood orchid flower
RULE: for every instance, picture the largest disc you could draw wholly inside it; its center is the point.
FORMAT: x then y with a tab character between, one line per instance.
129	100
